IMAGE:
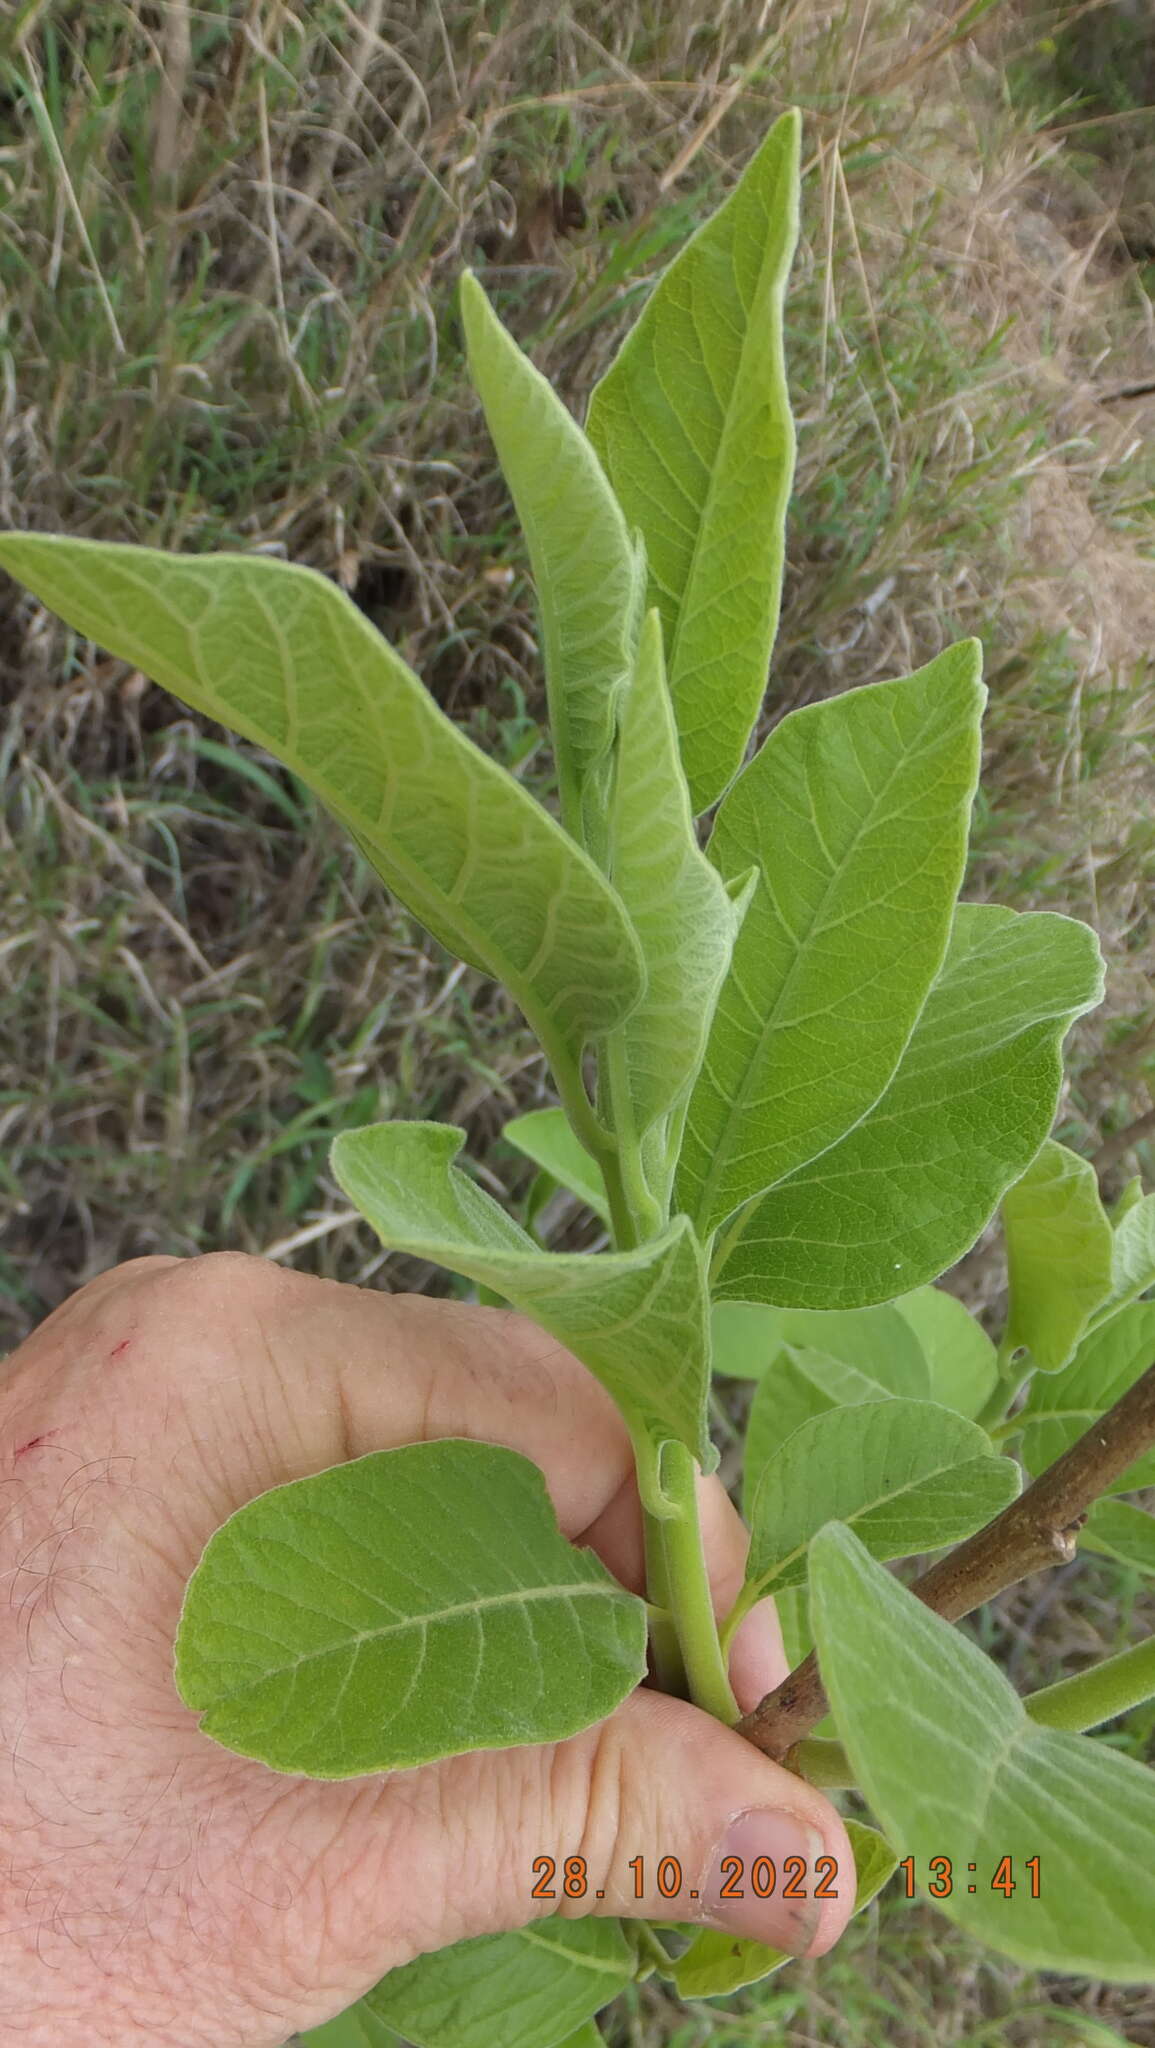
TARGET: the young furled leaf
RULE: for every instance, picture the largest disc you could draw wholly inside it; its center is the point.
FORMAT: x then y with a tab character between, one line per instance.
588	576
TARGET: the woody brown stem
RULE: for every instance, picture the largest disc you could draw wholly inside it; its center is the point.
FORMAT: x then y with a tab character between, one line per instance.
1037	1530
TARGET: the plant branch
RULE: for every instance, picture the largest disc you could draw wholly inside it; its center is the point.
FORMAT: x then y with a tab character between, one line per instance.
689	1590
1097	1695
1038	1529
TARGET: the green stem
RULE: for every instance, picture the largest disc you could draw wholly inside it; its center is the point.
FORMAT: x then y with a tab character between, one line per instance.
689	1590
652	1954
669	1669
636	1197
1098	1695
1006	1386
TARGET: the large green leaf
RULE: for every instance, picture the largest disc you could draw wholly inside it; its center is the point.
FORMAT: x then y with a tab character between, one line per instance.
412	1604
717	1963
692	422
954	1767
1132	1253
855	811
638	1319
1061	1406
680	906
284	657
590	580
804	1382
960	1357
907	1476
908	1191
1058	1244
1119	1529
747	1337
528	1989
547	1137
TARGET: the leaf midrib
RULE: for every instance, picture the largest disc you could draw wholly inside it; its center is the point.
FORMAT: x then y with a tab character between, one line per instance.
421	1622
721	1154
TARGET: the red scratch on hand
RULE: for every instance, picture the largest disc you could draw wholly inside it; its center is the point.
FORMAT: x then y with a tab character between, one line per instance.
118	1348
33	1443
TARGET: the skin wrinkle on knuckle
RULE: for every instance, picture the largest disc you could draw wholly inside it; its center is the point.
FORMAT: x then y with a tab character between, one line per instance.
607	1826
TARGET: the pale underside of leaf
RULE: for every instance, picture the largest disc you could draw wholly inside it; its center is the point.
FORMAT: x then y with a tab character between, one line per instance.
954	1767
589	578
637	1319
284	657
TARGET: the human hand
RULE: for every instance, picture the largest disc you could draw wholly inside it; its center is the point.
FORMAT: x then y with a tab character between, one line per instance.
155	1888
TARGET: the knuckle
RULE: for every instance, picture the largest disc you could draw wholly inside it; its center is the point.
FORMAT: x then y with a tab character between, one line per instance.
606	1828
225	1280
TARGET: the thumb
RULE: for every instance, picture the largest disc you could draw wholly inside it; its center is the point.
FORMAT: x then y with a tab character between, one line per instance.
658	1812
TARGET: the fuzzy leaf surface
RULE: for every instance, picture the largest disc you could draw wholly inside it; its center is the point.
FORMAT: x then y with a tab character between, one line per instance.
637	1319
907	1192
589	578
1059	1249
953	1766
284	657
413	1604
693	425
855	815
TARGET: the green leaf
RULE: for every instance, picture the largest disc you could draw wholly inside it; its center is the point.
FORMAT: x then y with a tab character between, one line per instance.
803	1383
717	1963
356	2027
638	1319
1132	1256
855	812
589	579
680	907
547	1137
1118	1529
793	1611
908	1191
747	1337
693	425
961	1358
1061	1406
907	1476
589	2036
953	1766
528	1989
409	1605
280	654
1058	1244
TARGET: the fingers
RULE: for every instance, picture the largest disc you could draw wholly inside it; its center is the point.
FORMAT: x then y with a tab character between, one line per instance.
757	1658
279	1374
634	1817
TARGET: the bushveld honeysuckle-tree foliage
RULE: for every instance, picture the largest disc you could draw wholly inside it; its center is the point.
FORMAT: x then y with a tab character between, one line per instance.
818	1075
